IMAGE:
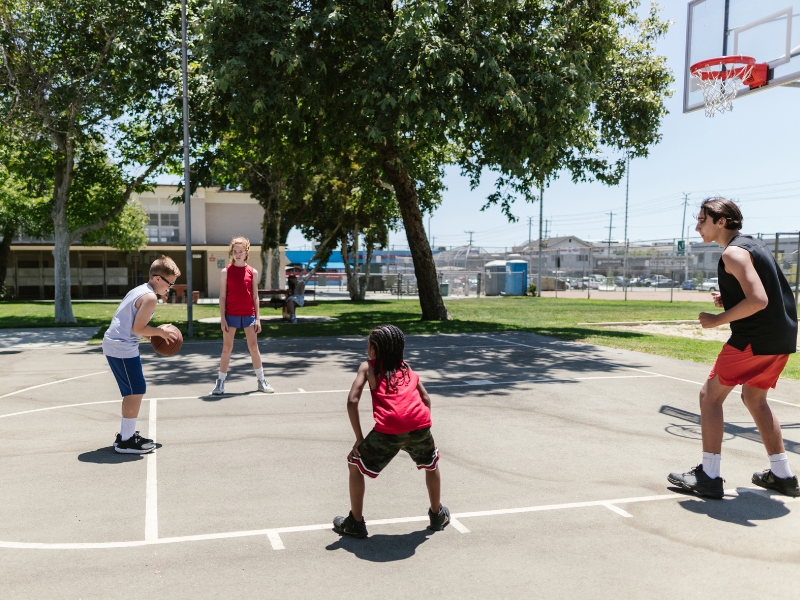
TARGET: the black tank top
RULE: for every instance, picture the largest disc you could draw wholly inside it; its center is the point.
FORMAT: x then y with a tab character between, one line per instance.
772	330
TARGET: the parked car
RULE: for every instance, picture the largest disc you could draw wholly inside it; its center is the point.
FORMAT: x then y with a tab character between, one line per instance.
710	285
688	285
659	281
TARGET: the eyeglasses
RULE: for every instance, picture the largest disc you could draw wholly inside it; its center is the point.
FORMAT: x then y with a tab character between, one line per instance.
168	282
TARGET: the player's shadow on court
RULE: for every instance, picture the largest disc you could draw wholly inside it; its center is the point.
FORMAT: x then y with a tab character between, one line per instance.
107	456
382	547
742	510
731	430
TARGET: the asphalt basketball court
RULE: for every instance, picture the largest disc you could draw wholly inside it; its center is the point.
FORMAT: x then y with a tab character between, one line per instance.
554	465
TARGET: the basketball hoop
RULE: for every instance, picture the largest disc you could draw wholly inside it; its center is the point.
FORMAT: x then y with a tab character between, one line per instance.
719	79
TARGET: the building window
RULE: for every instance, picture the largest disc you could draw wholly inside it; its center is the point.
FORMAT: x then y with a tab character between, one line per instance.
163	220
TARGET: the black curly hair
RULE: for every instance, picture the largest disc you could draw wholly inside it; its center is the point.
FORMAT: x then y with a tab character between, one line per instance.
389	342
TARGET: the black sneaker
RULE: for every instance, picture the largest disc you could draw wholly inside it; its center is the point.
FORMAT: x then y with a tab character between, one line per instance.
135	445
786	486
698	482
439	520
349	526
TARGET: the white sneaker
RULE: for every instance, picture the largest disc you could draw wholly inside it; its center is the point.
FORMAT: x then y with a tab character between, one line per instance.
264	386
219	389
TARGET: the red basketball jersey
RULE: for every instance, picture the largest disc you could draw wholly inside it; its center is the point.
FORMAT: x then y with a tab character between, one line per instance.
239	297
402	410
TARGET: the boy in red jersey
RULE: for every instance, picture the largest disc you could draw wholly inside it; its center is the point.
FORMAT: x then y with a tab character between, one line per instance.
238	309
402	411
761	310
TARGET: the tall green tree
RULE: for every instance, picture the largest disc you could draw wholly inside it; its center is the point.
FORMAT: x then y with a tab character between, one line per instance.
87	75
522	88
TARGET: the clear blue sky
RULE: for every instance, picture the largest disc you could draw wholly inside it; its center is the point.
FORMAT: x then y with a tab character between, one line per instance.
750	155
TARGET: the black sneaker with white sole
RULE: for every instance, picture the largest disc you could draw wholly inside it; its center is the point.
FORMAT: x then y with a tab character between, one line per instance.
349	526
135	445
698	482
785	485
439	520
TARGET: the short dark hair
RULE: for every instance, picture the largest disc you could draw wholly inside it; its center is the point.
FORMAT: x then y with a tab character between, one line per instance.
717	208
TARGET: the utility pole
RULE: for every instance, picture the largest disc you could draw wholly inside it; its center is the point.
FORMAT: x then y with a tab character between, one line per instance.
466	255
610	221
470	236
187	194
685	242
625	260
541	241
530	220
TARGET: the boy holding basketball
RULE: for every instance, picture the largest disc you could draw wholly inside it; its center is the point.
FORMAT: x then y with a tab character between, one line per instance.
121	349
761	310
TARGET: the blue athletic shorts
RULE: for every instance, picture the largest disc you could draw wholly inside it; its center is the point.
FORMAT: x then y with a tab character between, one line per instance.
240	322
128	372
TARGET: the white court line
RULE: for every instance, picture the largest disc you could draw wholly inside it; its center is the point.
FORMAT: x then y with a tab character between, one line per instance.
457	525
618	510
342	391
273	534
151	494
52	383
610	364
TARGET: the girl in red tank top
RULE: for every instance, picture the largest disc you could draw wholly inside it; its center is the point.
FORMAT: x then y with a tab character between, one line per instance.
238	309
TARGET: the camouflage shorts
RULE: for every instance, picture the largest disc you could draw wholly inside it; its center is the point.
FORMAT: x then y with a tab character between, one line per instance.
378	449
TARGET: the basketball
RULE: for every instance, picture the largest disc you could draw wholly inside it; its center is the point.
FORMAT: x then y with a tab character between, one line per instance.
160	345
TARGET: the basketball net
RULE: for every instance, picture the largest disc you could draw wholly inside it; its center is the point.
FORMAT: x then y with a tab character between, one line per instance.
719	87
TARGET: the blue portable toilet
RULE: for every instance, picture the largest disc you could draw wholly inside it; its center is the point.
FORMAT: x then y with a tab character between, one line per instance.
516	277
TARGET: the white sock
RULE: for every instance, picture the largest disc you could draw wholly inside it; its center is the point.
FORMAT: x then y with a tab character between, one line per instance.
711	464
126	428
221	375
259	373
779	464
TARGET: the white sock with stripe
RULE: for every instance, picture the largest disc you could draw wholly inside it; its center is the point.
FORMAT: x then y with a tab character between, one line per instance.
779	464
127	428
259	373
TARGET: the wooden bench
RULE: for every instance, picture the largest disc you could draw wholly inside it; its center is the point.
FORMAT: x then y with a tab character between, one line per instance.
273	302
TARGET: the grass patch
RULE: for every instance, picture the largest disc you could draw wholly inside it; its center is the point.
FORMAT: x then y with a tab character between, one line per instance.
554	317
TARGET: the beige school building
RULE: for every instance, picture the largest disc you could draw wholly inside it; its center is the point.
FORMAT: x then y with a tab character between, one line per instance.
103	272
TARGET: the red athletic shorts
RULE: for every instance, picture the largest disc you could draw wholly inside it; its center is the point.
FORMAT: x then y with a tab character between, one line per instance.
735	367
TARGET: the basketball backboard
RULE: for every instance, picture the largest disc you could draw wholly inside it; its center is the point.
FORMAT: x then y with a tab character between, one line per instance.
767	30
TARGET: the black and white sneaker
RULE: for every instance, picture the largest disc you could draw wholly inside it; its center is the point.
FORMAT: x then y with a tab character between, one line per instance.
439	520
219	388
135	445
349	526
785	485
698	482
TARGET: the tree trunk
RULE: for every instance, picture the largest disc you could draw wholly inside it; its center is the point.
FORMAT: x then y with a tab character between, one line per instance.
9	232
430	298
352	272
362	292
63	239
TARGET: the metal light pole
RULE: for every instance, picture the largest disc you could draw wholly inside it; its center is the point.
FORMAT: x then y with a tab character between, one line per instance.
541	213
685	242
187	195
625	260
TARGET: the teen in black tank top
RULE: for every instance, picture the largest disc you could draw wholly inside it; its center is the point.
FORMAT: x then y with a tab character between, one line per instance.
772	330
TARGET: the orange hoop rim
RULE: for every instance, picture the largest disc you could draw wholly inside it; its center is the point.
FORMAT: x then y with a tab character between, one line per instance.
748	63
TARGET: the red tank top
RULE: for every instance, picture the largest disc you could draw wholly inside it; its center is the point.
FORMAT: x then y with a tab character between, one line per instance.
239	295
400	411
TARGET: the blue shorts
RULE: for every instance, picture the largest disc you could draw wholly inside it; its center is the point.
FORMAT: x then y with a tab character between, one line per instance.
240	322
128	372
